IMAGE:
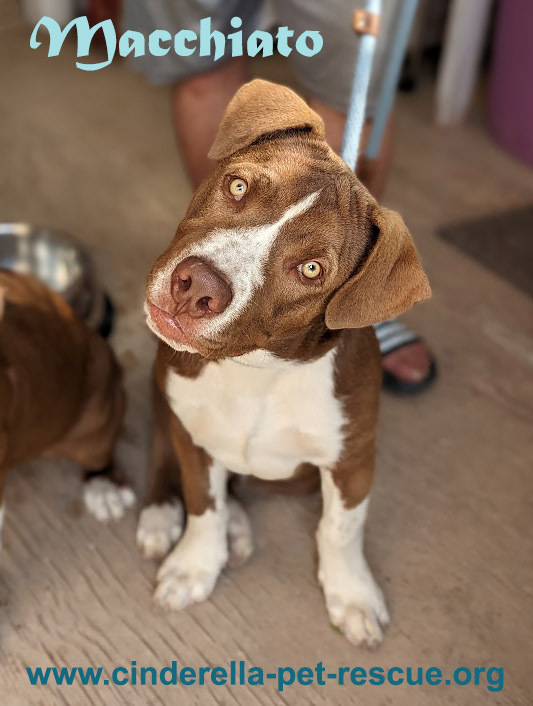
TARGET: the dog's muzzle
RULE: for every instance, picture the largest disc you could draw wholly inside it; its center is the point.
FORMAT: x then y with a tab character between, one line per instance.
198	290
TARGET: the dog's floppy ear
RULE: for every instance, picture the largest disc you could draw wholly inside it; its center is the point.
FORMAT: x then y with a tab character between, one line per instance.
389	281
262	108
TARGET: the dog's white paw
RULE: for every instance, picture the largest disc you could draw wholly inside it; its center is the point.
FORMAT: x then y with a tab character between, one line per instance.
240	538
189	573
105	500
356	606
159	528
177	589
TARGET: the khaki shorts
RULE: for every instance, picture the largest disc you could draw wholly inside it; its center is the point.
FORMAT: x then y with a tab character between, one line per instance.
326	76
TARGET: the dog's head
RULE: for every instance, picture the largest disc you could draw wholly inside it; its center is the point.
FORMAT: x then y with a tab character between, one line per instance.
282	245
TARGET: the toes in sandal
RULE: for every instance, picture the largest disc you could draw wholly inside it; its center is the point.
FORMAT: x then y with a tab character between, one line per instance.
391	336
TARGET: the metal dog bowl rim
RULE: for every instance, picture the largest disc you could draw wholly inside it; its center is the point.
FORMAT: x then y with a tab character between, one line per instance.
22	229
102	307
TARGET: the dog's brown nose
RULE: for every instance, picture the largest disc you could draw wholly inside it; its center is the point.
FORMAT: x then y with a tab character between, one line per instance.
198	290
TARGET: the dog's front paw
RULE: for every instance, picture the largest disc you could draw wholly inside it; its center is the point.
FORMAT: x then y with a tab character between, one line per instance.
355	605
159	528
177	589
106	500
361	621
189	573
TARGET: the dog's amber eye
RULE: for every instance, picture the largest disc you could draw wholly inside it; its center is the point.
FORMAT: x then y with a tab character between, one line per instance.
311	269
237	188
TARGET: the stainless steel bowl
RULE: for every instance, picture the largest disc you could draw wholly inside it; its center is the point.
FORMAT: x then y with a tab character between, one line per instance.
57	260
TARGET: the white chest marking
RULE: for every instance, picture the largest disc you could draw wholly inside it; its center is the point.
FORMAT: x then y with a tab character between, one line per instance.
262	421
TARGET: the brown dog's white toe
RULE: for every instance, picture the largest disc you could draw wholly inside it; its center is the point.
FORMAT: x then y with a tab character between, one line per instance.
160	526
362	624
106	500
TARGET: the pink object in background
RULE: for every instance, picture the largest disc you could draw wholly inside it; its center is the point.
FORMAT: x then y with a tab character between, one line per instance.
511	90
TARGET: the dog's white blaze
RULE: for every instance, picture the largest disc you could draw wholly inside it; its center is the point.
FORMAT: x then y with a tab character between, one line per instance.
240	254
261	416
354	601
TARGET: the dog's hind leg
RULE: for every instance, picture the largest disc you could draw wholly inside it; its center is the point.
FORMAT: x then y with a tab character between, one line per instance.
106	494
161	520
91	440
240	537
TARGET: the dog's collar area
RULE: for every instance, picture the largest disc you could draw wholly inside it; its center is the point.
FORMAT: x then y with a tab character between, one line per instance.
242	363
261	359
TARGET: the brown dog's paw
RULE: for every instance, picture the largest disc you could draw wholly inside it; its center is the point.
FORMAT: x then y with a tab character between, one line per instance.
361	623
176	591
354	601
105	500
159	528
190	572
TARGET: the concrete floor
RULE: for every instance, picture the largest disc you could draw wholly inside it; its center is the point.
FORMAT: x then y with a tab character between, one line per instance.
449	533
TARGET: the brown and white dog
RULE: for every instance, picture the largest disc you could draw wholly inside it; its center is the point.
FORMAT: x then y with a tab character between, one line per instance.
60	392
267	363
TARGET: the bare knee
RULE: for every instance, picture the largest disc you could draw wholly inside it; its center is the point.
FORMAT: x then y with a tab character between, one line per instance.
221	80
